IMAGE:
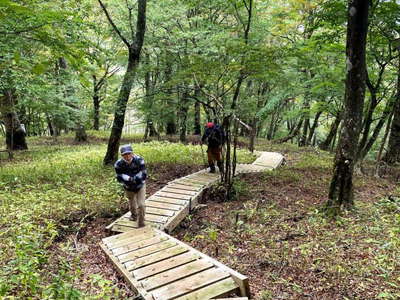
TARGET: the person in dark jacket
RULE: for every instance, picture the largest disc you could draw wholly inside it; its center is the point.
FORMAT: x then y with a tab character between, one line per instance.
215	137
131	172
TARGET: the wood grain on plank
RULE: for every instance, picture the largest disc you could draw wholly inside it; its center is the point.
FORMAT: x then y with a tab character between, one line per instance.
164	265
212	291
176	274
163	205
153	258
189	284
159	247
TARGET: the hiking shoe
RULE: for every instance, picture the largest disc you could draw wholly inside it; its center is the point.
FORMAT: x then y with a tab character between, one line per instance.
133	217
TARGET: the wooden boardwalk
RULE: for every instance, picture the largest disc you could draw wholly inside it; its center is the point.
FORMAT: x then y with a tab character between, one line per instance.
166	208
161	267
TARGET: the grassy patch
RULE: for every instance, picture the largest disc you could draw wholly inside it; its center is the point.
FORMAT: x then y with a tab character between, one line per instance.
46	193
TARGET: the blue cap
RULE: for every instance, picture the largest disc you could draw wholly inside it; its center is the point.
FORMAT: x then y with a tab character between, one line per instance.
125	149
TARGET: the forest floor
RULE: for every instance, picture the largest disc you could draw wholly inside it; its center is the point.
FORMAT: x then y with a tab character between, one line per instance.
60	199
276	234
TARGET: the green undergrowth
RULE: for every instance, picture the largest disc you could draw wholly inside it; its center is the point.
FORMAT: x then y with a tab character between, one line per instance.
46	194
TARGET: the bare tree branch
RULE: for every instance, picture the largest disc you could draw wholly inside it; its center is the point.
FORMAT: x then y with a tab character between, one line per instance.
130	18
113	24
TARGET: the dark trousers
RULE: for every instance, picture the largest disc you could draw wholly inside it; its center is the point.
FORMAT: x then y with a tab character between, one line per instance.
214	154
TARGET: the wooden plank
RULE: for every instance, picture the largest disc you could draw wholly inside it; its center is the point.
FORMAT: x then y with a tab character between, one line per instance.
173	222
217	289
131	240
153	258
122	228
163	205
159	211
241	280
199	178
179	191
123	236
155	218
109	227
190	182
146	251
203	181
168	200
138	245
195	200
184	187
175	274
126	222
128	277
266	167
172	195
206	174
189	284
164	265
205	177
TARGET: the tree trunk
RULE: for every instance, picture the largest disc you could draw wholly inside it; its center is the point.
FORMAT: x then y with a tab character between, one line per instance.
150	130
367	123
253	134
313	128
306	126
80	134
134	49
197	122
149	88
332	133
119	115
271	127
291	135
362	152
254	124
183	112
15	133
341	187
382	146
171	127
96	105
393	153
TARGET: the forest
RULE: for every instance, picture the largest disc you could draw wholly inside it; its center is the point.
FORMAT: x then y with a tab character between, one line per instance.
317	81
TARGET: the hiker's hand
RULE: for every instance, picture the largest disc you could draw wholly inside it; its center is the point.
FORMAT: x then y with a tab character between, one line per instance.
126	177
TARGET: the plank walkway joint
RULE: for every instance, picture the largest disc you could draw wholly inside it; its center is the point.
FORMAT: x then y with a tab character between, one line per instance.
161	267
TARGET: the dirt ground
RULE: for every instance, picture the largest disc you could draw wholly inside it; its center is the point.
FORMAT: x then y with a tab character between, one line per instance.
260	234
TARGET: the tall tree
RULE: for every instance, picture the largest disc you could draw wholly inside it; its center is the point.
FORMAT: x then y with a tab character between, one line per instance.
393	153
134	45
341	188
15	134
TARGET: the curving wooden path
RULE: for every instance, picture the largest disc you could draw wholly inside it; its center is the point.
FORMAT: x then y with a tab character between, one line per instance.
162	267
